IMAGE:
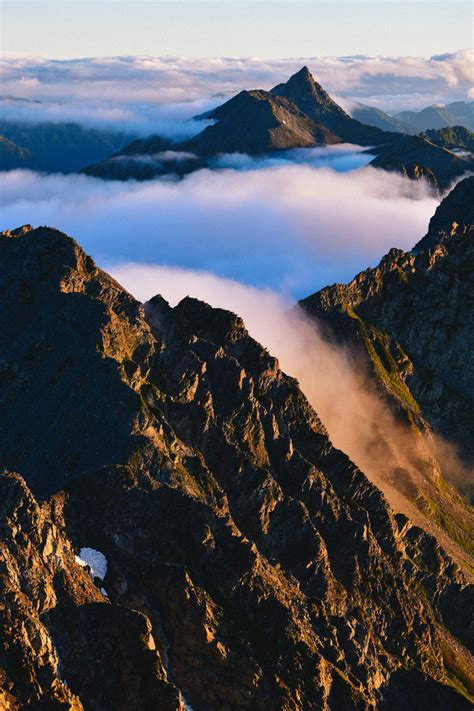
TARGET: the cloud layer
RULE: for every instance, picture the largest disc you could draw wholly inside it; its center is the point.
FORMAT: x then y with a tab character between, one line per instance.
158	94
294	228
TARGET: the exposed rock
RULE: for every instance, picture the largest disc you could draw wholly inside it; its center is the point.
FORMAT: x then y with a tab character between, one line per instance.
259	122
250	565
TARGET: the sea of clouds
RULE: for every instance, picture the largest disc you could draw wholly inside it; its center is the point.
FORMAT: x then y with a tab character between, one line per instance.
158	94
293	228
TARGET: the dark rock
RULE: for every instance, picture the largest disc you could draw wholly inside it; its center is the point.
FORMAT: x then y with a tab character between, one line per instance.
268	570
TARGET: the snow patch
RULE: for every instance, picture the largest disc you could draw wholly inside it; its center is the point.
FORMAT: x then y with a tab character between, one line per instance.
96	561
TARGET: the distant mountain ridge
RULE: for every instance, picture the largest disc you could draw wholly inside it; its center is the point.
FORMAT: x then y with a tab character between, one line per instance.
298	113
59	147
458	113
373	116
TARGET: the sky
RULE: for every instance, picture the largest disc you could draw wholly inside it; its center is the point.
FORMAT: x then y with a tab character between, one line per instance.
194	28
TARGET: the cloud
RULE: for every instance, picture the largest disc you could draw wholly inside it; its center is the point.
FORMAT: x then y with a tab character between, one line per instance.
342	157
294	228
159	94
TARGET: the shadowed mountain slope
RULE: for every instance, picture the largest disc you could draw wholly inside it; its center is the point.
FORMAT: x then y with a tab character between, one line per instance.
13	156
417	157
259	122
315	102
60	147
452	138
250	565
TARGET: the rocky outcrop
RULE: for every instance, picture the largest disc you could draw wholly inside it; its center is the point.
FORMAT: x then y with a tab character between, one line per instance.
417	157
250	565
315	102
421	302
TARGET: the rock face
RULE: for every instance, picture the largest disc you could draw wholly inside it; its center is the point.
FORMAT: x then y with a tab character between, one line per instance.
315	102
250	565
418	157
422	301
259	122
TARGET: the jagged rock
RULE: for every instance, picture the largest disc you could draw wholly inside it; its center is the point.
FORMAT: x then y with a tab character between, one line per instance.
261	563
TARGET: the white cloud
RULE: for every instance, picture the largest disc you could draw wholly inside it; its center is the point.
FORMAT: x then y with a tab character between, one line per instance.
292	227
156	94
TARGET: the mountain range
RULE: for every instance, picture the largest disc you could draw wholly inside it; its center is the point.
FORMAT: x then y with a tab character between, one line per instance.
458	113
55	147
177	530
298	113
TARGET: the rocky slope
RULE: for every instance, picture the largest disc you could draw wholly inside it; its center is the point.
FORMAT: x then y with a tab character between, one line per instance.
259	122
315	102
412	318
250	565
418	157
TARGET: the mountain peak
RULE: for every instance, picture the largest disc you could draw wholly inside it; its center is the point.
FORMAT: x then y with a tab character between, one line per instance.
453	218
303	73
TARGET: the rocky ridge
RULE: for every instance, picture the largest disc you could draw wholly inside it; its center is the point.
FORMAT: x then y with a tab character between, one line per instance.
250	564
